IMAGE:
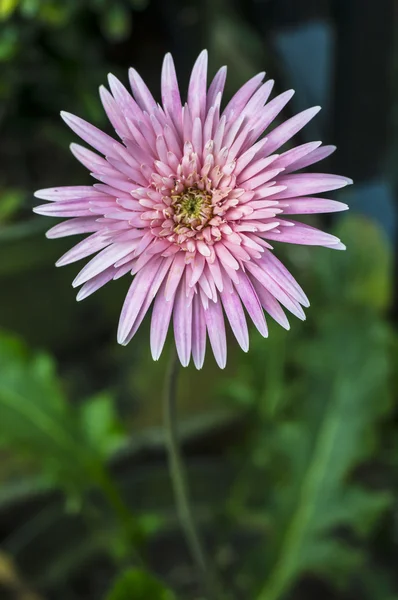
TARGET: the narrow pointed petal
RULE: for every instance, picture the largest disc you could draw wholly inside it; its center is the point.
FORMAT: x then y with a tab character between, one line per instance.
135	298
287	130
216	330
252	304
198	332
182	318
243	95
161	316
308	206
143	96
171	98
236	317
311	158
73	227
197	87
90	134
216	87
300	233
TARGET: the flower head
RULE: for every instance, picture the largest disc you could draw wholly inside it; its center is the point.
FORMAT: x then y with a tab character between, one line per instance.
188	202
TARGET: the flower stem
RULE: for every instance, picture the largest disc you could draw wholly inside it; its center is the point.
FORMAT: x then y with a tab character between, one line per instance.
178	478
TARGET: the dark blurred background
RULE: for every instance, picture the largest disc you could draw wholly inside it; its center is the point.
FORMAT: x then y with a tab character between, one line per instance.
292	452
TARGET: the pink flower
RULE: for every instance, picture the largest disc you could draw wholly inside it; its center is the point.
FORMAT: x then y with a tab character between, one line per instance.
188	203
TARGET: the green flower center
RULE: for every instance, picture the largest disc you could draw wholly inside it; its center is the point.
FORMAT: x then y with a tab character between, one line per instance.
192	209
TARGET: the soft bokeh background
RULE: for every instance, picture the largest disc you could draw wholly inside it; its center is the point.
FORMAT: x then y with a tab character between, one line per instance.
292	452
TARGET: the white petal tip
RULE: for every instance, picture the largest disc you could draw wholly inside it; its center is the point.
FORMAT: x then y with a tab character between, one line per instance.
339	246
66	116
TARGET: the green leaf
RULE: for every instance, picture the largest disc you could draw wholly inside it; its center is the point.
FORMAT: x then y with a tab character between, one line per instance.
346	369
135	584
37	421
10	202
7	7
117	23
361	276
101	425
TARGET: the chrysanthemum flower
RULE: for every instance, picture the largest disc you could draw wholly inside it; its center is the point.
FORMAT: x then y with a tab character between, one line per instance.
188	203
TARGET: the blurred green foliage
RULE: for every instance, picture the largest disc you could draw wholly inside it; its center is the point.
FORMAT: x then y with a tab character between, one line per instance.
140	585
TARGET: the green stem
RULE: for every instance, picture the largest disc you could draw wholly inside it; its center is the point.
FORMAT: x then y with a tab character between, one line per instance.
177	474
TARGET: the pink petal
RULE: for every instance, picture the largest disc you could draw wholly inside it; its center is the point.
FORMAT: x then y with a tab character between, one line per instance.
302	184
90	134
302	234
95	284
73	227
216	330
197	87
141	92
236	317
312	158
135	298
85	248
182	318
267	115
153	290
307	206
114	113
277	270
289	128
161	315
243	95
175	274
107	257
74	192
270	304
171	98
295	154
252	304
198	332
216	87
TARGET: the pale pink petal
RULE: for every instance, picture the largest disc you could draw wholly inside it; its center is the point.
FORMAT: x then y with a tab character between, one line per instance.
74	227
243	95
303	184
171	98
197	87
182	318
107	257
302	234
270	304
216	331
135	298
236	317
95	283
153	290
289	128
198	332
216	87
85	248
312	158
161	316
252	304
141	92
90	134
308	206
